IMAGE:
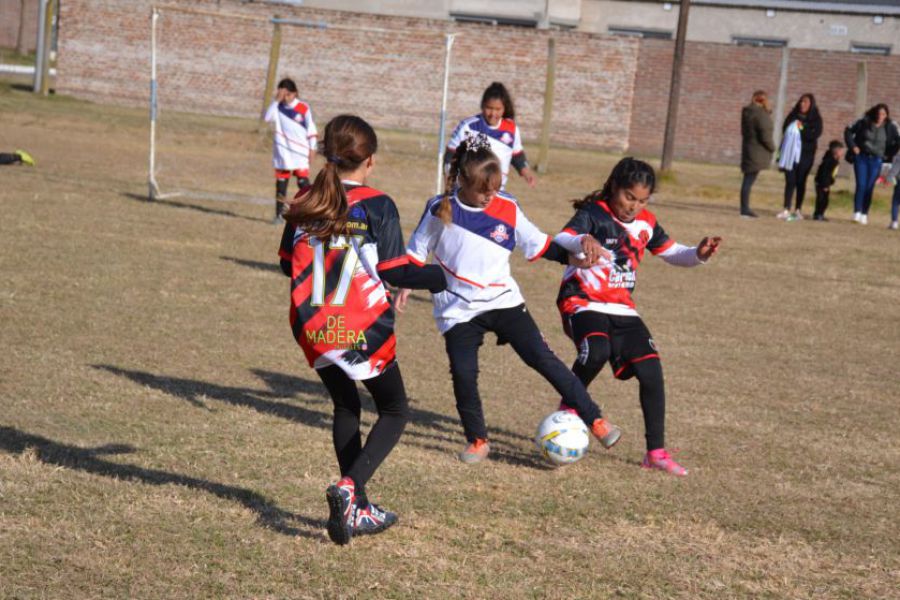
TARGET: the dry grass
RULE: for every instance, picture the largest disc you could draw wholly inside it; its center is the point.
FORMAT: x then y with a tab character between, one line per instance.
162	437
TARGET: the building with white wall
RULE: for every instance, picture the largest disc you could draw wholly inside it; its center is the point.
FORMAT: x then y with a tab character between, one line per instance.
864	26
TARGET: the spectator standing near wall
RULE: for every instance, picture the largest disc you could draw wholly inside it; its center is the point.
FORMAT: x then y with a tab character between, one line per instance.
757	145
805	115
870	141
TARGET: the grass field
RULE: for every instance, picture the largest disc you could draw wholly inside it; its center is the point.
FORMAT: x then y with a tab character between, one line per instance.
162	437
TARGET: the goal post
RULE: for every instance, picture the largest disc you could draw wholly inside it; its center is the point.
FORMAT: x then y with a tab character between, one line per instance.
268	74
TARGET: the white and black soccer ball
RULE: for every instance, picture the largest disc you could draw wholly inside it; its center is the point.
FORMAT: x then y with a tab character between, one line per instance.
562	438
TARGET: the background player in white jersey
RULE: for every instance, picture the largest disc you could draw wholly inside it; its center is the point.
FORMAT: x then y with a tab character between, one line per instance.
596	305
294	144
497	122
470	231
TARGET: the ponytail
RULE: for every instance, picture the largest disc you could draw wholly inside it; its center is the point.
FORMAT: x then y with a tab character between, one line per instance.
322	209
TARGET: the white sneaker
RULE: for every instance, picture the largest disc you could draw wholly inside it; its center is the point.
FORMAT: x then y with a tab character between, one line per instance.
798	216
783	215
856	217
863	219
894	225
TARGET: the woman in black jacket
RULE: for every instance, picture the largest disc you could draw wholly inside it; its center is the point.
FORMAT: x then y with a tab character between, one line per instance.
806	114
870	141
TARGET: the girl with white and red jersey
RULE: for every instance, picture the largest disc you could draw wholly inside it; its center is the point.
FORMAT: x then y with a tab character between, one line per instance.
471	231
597	309
497	122
294	142
341	245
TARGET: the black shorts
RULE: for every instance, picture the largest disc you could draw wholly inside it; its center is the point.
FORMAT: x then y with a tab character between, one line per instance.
630	341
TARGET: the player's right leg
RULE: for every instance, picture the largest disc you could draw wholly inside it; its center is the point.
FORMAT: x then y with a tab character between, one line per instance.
282	180
519	329
342	497
462	342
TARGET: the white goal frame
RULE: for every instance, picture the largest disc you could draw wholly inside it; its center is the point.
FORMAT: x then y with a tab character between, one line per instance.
154	191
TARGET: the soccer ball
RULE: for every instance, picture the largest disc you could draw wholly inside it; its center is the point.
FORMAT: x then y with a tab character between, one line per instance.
562	438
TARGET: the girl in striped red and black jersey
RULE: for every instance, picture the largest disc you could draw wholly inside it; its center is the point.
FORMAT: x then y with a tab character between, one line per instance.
471	231
497	122
341	244
596	305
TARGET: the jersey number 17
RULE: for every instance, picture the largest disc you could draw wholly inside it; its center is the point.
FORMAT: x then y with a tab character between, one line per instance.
348	244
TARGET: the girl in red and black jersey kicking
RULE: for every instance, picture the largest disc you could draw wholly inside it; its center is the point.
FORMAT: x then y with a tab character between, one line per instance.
341	244
596	305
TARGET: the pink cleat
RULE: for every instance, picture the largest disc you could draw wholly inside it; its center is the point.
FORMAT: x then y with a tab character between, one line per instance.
566	408
660	459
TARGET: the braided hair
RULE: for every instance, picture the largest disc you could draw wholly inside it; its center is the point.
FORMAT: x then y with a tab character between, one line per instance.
473	163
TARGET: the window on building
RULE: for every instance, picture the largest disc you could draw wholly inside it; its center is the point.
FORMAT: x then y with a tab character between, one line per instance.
654	34
492	20
879	49
759	42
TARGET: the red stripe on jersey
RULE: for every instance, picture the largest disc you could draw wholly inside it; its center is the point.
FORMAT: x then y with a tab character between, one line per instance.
543	250
570	305
356	313
358	194
392	263
415	260
385	354
502	210
570	231
446	268
507	125
663	248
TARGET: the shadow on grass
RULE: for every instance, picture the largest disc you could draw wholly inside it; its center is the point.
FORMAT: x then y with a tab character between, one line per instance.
425	424
270	267
89	460
197	207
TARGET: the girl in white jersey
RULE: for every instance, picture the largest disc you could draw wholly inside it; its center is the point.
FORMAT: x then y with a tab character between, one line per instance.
294	142
497	122
470	231
597	310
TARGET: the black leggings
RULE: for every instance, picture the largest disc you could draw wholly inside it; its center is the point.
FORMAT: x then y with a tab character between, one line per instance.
746	186
795	179
625	343
515	326
356	461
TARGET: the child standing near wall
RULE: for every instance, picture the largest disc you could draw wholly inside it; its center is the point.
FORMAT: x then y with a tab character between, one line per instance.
497	122
825	177
294	145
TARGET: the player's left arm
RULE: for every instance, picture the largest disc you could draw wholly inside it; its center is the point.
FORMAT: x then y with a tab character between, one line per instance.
286	249
312	134
394	264
680	255
520	161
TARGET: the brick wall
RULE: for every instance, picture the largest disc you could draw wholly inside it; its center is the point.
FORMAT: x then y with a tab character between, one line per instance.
718	80
9	23
611	93
218	64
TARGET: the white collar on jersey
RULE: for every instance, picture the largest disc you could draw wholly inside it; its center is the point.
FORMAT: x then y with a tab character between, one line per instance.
351	182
